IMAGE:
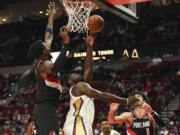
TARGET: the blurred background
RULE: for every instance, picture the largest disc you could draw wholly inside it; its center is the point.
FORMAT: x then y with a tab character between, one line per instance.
143	56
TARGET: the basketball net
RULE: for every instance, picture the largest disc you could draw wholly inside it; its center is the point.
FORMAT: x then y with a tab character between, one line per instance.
78	12
132	6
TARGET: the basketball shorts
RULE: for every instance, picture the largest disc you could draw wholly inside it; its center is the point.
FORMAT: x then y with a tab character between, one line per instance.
77	126
46	120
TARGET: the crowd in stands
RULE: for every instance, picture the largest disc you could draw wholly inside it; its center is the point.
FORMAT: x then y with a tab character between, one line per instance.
16	113
160	82
164	2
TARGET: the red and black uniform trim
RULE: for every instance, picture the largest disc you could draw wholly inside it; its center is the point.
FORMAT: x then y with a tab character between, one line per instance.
140	125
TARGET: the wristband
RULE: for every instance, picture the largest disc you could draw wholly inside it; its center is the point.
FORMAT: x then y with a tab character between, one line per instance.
49	30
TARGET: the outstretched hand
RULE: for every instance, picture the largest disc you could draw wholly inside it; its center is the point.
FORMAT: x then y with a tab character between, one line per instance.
132	100
52	10
114	107
63	33
89	39
147	108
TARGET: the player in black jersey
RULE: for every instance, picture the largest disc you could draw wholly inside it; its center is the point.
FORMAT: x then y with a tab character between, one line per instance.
141	121
47	77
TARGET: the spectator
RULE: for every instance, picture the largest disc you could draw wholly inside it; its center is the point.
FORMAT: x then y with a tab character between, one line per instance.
172	118
97	129
163	131
7	129
156	60
106	128
23	131
25	116
172	129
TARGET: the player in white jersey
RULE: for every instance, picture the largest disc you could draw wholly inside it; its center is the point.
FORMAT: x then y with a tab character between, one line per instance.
80	117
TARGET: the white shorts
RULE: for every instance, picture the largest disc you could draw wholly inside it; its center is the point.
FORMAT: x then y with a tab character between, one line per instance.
77	126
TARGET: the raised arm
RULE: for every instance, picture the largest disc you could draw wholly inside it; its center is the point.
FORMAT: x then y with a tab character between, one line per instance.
26	78
61	60
124	117
47	67
86	89
88	65
52	10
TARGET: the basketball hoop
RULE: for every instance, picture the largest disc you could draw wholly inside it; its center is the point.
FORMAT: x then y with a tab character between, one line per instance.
78	12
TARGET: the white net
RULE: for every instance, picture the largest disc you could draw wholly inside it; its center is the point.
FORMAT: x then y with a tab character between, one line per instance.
132	6
78	12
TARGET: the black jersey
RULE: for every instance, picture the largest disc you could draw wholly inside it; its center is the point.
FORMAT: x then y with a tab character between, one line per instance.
49	89
140	126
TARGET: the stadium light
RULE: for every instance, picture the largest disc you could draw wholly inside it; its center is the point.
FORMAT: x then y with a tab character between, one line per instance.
4	20
41	12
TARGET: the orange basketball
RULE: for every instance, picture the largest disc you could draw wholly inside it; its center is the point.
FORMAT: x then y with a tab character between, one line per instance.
95	23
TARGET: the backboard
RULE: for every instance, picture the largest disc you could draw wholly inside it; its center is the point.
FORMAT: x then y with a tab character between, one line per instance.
126	9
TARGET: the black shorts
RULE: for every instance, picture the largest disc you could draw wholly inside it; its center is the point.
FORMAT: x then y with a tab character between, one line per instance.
46	119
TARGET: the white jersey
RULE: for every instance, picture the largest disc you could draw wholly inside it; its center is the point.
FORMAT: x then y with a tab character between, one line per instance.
81	109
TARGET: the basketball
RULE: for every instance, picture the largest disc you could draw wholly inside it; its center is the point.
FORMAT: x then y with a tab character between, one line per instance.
95	23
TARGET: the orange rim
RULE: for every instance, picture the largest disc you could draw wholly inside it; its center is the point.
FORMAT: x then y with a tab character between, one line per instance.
78	2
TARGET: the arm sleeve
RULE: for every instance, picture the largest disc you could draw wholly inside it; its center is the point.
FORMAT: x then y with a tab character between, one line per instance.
61	60
22	82
158	120
25	79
